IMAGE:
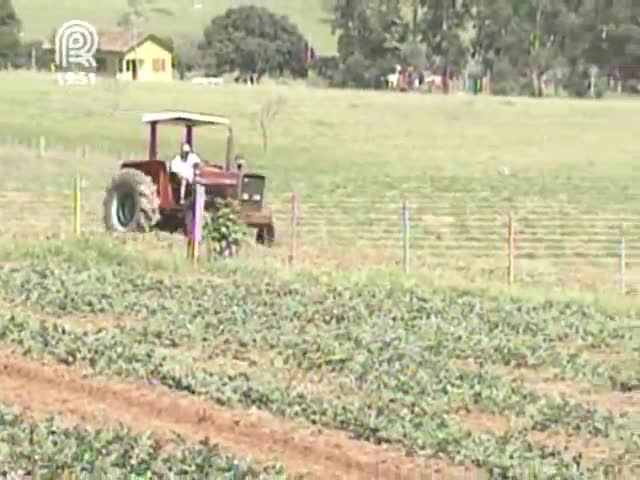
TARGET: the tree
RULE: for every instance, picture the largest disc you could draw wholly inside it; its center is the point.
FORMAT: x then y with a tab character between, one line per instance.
9	32
387	32
613	38
187	55
372	38
523	42
443	27
251	40
566	38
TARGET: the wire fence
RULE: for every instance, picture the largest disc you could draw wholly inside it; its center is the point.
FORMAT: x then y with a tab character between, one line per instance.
599	251
548	242
531	242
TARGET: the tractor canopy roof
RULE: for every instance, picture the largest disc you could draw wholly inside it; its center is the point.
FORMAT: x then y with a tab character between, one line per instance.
186	118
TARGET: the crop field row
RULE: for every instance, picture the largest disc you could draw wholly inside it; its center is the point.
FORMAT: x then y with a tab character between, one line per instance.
400	366
54	290
371	219
363	211
51	448
378	197
481	191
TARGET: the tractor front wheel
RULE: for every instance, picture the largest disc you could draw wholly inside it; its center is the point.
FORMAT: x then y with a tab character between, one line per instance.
131	202
266	235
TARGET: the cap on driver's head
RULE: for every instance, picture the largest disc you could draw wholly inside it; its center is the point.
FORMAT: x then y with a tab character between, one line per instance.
186	147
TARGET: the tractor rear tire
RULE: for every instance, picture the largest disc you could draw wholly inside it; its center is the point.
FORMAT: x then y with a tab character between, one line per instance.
131	202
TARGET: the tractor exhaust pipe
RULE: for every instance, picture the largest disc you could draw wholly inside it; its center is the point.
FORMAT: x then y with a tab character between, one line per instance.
230	146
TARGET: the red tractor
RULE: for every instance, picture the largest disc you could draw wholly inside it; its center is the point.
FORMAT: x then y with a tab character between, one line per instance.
145	195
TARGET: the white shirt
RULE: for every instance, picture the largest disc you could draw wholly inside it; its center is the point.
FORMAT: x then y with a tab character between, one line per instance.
185	168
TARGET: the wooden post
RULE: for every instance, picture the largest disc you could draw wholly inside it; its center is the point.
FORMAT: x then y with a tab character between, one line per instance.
623	261
405	236
294	229
510	250
76	205
190	247
196	227
42	147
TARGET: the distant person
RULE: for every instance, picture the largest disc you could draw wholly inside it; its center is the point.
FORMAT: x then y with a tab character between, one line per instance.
184	165
239	161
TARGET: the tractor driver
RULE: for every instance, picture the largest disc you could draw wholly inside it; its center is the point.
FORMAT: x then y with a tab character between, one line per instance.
184	165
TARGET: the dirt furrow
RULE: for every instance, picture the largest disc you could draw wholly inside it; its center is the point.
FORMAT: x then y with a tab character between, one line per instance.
544	383
54	389
590	449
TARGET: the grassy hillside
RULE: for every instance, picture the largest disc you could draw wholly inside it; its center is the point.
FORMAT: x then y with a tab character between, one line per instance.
565	167
185	20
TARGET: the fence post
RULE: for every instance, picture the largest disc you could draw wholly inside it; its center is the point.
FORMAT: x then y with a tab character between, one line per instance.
405	236
76	205
42	146
623	261
510	249
294	228
193	246
85	152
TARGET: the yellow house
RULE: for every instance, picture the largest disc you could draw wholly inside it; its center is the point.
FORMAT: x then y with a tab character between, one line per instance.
120	56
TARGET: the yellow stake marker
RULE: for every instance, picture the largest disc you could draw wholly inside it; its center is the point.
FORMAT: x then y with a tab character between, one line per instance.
76	205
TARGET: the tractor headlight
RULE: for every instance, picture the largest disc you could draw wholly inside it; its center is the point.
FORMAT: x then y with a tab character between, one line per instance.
256	197
245	196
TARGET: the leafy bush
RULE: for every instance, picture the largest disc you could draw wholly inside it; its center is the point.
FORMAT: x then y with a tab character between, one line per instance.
506	79
327	67
578	83
222	232
631	86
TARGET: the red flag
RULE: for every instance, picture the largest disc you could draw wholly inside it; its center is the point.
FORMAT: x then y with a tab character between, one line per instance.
309	53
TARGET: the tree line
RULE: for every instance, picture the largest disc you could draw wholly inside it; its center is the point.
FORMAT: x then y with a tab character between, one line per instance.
581	47
576	43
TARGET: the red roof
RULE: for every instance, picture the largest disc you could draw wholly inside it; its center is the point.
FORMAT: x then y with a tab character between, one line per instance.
122	41
116	41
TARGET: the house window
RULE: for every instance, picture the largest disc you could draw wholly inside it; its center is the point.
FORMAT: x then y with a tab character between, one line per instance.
129	65
159	65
